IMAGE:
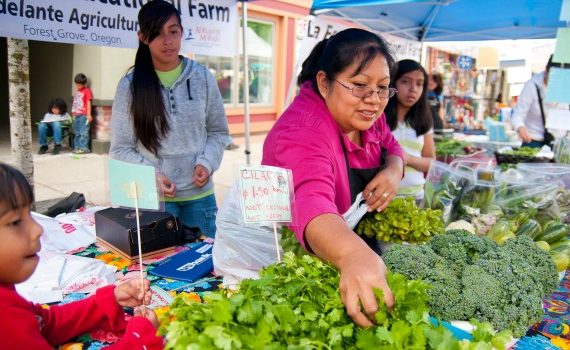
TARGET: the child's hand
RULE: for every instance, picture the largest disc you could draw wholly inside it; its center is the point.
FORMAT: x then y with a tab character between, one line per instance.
89	119
149	314
129	293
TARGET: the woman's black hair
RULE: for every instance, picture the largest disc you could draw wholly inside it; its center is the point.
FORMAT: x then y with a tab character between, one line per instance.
335	54
419	117
15	190
59	103
439	81
147	106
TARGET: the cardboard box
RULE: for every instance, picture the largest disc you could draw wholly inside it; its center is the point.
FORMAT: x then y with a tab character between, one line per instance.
117	229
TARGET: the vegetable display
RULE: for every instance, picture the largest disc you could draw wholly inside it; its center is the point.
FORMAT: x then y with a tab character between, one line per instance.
296	305
402	221
474	277
451	147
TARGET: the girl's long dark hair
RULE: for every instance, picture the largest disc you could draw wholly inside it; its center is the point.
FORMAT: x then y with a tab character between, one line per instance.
335	54
15	191
147	106
419	116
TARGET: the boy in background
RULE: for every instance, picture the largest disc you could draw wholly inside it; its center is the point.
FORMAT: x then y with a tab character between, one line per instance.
82	118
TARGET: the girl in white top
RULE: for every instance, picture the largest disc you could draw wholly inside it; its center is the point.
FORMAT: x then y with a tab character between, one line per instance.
410	119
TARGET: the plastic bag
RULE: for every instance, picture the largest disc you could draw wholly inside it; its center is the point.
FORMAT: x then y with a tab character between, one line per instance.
241	249
549	172
59	274
539	198
69	232
356	211
444	187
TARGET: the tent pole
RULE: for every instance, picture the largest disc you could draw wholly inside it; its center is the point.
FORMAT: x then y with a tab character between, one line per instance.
245	82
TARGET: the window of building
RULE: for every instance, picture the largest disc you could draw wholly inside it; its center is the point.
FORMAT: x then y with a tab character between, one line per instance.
260	36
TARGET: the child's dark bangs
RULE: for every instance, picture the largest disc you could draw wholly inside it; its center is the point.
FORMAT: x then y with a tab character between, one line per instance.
15	191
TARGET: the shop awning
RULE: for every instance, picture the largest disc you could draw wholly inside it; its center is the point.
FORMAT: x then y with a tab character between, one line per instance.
450	20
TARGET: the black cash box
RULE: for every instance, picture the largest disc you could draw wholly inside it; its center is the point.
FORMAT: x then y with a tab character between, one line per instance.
118	228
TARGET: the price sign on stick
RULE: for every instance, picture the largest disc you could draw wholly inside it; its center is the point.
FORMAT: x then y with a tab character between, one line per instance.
121	177
265	194
133	186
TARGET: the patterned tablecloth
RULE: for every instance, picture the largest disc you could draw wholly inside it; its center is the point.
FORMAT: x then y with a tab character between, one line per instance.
552	333
97	340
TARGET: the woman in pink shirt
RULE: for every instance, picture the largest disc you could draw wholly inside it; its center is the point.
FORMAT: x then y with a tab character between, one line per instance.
335	140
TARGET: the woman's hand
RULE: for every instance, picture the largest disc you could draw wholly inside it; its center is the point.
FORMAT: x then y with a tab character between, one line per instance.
129	293
523	134
149	314
201	175
360	273
167	186
382	189
361	270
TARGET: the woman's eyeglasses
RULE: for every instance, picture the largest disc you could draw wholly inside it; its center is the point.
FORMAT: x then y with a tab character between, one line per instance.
383	92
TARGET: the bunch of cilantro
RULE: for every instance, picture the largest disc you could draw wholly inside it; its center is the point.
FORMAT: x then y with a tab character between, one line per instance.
472	277
296	305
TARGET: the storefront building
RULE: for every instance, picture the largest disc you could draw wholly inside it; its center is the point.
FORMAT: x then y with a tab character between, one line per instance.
271	43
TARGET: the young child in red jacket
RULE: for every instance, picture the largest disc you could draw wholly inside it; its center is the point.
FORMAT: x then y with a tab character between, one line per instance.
24	325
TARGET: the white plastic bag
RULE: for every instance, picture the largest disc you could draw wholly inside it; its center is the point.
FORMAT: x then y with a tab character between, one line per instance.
356	211
241	249
68	232
59	274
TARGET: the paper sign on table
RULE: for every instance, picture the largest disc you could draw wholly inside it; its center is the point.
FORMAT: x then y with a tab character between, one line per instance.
562	49
122	175
265	194
558	89
558	119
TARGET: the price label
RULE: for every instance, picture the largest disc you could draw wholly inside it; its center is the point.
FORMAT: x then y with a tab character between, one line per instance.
265	194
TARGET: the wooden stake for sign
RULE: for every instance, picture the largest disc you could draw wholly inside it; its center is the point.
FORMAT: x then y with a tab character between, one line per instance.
276	242
135	190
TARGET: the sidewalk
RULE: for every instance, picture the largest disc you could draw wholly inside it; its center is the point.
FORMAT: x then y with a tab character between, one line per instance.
57	176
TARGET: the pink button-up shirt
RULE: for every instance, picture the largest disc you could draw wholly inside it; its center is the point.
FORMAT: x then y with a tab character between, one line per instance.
306	139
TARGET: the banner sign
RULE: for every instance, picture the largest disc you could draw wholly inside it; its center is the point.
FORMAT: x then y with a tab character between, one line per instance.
403	49
114	23
265	193
312	29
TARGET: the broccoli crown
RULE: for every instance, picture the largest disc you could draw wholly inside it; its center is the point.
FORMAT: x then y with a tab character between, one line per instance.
413	260
473	277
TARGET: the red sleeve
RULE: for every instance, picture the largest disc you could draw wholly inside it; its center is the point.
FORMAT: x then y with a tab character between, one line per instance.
140	334
20	326
100	311
314	176
31	326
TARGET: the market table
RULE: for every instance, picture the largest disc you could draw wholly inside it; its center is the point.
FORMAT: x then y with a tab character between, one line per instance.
125	269
554	326
484	142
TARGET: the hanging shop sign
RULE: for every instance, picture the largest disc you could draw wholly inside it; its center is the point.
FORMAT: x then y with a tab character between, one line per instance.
114	23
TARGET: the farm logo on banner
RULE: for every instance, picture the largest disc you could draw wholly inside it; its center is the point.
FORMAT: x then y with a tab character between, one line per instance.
114	23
